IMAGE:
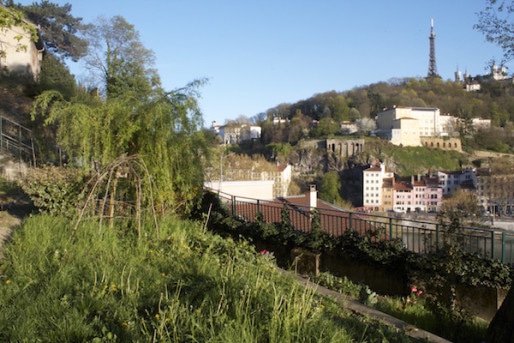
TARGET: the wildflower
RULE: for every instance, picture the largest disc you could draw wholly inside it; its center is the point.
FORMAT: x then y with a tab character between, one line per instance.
419	292
414	289
264	252
8	281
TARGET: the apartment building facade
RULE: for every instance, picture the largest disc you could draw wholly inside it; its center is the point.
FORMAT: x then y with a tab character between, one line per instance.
372	186
381	192
495	192
450	181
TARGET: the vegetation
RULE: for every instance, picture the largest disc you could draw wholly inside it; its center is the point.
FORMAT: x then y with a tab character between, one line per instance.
132	141
438	272
407	161
415	308
493	102
495	23
60	29
136	117
12	17
178	283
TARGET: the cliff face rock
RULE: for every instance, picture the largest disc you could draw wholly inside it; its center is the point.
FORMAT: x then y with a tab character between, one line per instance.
319	156
307	160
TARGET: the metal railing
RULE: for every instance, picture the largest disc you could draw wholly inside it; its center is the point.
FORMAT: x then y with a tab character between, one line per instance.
17	141
416	235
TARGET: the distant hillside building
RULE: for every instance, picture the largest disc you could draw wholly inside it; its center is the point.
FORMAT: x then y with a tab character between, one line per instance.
381	192
345	147
256	189
18	53
236	133
450	181
406	125
372	179
495	192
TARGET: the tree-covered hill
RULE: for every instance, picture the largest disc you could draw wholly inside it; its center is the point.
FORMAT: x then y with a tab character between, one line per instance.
494	101
327	110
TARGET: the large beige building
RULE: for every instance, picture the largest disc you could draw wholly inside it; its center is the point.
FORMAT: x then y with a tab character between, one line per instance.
406	125
18	53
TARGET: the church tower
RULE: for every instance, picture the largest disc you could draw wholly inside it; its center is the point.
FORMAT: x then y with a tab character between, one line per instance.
432	66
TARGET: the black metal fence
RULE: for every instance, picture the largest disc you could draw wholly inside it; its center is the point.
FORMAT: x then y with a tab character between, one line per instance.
416	235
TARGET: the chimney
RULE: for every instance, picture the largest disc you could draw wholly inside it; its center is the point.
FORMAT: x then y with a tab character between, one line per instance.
313	196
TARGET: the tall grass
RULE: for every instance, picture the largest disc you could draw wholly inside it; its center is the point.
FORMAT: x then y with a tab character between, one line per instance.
177	284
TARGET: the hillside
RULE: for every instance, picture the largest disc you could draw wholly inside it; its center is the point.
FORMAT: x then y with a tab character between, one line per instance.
15	104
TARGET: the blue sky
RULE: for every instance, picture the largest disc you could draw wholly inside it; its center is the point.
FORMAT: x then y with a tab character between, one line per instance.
258	54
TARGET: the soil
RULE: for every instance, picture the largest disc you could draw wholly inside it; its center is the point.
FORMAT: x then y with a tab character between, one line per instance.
8	223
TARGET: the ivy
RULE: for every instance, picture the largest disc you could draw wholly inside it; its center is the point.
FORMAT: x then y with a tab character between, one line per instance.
447	266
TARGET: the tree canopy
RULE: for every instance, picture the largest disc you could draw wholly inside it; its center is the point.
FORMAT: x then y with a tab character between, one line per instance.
118	60
60	29
497	26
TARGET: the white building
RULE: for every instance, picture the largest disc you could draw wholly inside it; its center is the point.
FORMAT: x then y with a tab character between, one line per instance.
257	189
18	53
406	125
236	134
372	179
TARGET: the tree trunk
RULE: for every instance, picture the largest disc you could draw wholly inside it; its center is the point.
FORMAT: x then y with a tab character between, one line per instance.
501	328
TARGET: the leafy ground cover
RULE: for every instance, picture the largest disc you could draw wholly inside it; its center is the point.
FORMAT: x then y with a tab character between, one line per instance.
416	308
177	283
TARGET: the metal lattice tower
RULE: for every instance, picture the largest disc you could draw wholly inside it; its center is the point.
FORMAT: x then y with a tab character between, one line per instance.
432	66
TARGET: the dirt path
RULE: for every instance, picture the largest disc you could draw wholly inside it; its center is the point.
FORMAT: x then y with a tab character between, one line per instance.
7	224
485	154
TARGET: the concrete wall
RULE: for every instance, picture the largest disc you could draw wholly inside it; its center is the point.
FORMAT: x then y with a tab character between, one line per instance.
19	55
262	190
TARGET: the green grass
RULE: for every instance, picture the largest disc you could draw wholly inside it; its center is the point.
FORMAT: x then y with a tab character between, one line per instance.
175	284
416	160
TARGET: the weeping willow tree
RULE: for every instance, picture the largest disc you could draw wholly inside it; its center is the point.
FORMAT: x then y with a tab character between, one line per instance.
164	131
134	116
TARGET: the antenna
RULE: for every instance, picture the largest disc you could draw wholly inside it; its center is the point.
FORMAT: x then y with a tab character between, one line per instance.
432	67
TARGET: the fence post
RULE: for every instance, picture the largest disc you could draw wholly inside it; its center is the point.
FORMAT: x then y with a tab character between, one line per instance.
233	205
19	145
350	223
492	245
504	241
258	208
1	133
390	228
437	237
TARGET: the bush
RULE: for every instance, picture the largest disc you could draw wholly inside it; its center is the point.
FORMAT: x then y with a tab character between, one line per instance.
55	190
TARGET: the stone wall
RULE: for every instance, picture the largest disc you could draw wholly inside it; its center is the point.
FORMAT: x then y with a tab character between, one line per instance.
442	143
